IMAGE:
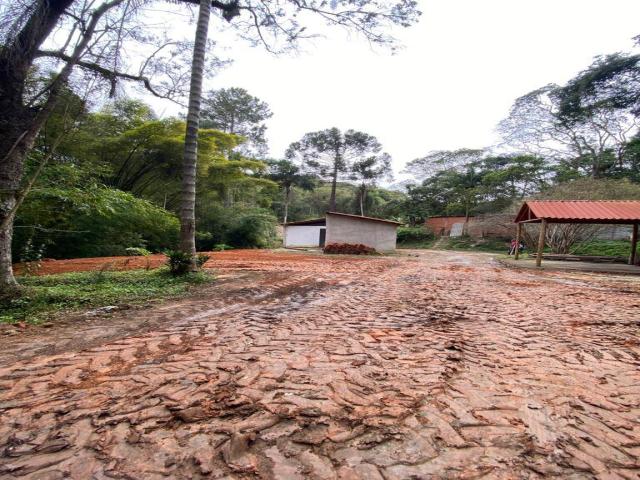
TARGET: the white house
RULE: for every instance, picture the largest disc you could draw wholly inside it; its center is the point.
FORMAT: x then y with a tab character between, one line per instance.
305	233
376	233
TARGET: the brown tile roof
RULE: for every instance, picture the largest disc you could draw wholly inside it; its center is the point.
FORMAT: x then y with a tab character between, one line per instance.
580	211
373	219
312	221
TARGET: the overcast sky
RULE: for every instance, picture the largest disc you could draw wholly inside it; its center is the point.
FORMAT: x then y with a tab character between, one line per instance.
459	71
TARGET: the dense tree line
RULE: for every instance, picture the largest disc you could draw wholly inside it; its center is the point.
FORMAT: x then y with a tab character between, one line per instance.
76	181
90	44
553	139
113	180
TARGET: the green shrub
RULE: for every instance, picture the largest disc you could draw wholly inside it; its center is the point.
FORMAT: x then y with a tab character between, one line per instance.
474	244
137	252
613	248
179	262
221	247
236	226
95	221
414	236
253	230
201	259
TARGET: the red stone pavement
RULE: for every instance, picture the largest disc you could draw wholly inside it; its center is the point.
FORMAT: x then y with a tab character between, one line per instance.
441	365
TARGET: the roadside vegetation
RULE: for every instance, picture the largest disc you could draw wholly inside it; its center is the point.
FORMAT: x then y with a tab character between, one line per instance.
611	248
415	237
45	297
86	172
492	245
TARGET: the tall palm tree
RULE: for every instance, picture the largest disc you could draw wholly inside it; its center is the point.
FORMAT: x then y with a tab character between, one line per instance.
188	204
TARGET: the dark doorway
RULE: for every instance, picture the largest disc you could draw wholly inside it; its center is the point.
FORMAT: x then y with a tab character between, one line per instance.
323	236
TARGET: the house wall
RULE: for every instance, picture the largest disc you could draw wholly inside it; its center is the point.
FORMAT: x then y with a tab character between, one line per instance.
302	235
378	235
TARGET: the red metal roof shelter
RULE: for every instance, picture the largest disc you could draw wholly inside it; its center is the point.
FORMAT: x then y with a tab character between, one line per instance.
579	211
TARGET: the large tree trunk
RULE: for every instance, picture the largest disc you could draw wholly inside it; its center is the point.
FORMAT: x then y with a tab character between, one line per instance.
334	184
7	280
19	125
187	211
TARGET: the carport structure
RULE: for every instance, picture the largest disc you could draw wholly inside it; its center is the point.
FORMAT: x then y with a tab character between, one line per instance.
603	212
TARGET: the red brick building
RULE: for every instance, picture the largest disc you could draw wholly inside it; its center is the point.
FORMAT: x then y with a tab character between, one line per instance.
481	226
441	225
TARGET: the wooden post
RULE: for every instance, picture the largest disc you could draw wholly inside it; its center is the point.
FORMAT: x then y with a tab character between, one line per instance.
543	232
634	244
518	234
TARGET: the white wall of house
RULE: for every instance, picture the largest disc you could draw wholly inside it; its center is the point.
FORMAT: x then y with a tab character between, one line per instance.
374	234
302	235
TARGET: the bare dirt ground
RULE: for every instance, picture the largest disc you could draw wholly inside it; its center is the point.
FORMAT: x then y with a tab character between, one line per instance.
443	365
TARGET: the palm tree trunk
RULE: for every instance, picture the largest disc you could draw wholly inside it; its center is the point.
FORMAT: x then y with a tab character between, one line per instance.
363	194
187	210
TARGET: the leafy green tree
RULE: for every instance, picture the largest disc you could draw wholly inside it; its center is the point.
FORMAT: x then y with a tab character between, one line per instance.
146	160
97	37
288	175
129	149
367	172
589	141
484	185
509	177
239	180
385	203
610	83
91	221
330	154
234	110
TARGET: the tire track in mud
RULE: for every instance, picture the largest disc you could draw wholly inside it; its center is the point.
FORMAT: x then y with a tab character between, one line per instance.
344	368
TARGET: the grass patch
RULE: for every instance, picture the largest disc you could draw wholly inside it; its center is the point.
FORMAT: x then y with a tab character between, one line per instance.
417	245
613	248
42	297
492	245
414	237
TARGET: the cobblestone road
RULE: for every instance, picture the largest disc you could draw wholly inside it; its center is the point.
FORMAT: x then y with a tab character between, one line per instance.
443	365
